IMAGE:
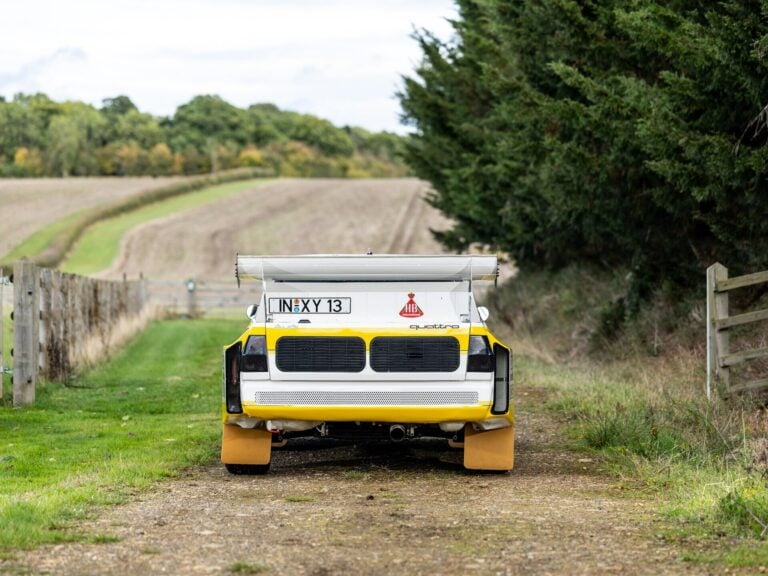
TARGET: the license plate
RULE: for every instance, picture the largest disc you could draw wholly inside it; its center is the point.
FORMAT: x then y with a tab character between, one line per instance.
310	305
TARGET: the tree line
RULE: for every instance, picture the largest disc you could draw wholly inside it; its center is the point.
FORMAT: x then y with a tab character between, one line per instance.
628	135
41	137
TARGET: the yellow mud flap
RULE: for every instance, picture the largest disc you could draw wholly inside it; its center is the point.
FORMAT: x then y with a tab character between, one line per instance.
491	450
245	445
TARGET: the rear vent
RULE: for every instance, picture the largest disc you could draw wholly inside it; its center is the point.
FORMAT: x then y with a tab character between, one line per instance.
415	354
320	354
373	398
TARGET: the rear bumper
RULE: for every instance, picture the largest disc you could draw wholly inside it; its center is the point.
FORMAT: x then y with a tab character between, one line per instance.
480	414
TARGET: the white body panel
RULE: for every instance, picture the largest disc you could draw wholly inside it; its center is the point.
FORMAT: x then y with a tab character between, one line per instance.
254	391
378	296
373	304
378	268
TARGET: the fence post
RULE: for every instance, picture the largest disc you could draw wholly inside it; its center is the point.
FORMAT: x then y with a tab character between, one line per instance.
2	314
717	340
191	297
26	333
143	294
44	367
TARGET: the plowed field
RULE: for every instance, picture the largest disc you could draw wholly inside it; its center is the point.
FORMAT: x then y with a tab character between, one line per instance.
284	217
29	204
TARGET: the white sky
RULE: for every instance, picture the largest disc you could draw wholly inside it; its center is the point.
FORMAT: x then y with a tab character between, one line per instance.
339	59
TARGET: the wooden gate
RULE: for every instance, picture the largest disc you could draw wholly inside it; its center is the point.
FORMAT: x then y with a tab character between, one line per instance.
720	359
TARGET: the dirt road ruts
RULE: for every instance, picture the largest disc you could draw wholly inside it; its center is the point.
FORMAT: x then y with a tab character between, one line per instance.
408	508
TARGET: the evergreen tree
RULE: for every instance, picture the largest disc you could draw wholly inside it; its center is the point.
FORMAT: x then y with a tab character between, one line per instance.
599	131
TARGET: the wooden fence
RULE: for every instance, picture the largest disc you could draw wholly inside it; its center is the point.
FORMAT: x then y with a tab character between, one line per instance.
56	315
195	297
719	321
4	281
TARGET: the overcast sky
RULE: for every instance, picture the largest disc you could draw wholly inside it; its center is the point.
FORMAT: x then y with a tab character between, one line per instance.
340	59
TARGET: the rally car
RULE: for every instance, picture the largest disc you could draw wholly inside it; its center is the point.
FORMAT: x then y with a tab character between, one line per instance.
367	347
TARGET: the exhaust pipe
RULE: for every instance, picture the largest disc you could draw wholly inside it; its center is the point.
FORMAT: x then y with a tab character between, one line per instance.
397	433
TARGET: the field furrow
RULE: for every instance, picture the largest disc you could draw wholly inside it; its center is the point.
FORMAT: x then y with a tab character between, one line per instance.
282	217
28	205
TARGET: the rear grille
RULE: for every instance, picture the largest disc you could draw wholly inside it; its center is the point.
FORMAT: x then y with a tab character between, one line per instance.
373	398
320	354
415	354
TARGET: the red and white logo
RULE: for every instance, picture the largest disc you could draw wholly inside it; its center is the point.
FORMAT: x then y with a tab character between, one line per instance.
411	309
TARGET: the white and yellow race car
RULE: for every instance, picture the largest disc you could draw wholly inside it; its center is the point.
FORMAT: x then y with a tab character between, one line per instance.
384	346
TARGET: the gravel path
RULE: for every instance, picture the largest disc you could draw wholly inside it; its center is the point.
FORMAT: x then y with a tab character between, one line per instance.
328	508
381	509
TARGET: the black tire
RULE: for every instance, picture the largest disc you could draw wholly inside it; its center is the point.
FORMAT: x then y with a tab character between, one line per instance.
247	469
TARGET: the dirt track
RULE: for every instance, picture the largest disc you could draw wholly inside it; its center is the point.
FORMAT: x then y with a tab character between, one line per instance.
382	509
375	509
283	217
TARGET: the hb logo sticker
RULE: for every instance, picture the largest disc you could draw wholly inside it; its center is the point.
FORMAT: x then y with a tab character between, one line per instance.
411	309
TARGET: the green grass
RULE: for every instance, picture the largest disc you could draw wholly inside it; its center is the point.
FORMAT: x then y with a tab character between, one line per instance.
100	244
355	475
43	238
659	433
5	380
246	568
742	555
150	412
299	498
632	393
104	539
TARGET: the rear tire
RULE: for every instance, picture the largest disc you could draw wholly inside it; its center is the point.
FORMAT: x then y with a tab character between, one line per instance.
247	469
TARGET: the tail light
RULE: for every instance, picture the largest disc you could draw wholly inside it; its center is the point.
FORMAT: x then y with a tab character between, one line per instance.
232	379
255	354
501	380
479	356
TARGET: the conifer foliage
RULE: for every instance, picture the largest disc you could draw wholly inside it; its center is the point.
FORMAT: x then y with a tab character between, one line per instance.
625	134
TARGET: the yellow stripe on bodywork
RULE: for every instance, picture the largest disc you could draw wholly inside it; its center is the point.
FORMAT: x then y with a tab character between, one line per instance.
402	414
366	333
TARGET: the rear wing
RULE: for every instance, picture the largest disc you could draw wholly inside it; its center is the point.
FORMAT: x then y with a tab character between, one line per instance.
368	268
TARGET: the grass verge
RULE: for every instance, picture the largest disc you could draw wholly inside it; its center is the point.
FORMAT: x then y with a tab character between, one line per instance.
98	247
6	293
47	236
5	380
144	416
638	403
49	246
704	461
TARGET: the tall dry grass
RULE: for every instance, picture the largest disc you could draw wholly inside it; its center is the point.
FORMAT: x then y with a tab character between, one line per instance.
100	347
638	397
